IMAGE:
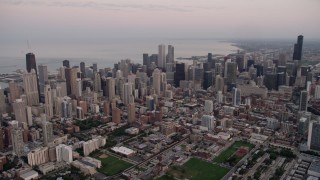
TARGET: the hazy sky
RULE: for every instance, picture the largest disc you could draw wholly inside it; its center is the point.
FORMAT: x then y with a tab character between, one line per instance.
79	19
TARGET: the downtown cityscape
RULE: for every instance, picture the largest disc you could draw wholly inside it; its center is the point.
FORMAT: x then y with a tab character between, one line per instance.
185	108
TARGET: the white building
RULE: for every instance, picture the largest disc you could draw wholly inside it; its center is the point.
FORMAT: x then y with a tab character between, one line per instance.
64	153
208	121
93	144
38	156
208	106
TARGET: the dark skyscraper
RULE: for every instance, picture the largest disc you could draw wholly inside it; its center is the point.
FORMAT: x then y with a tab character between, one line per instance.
207	79
83	70
66	63
146	59
31	64
297	52
179	74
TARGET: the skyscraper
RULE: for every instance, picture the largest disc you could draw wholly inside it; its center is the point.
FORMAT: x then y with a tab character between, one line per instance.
43	77
156	75
19	108
303	101
313	136
31	87
47	129
161	56
208	121
66	63
48	101
179	74
297	51
231	73
83	70
236	97
14	91
131	113
116	115
17	141
31	62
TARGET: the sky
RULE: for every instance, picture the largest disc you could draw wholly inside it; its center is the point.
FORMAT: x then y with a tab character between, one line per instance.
95	19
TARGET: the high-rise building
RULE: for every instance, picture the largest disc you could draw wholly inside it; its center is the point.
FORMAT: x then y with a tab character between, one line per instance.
179	74
146	60
38	156
208	121
236	97
14	91
170	54
317	92
95	67
73	81
270	81
131	113
43	77
68	80
48	101
2	102
83	70
303	101
156	76
31	87
219	83
161	56
127	96
313	136
150	103
208	106
66	63
47	129
19	109
116	118
297	52
66	108
231	73
207	79
17	141
97	82
64	153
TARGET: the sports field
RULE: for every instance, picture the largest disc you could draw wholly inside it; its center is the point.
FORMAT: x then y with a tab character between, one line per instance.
196	169
112	165
226	154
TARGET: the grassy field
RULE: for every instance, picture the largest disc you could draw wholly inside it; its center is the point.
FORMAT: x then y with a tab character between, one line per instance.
196	169
112	165
226	154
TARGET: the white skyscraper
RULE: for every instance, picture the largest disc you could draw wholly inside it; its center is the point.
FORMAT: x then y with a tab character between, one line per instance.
236	97
161	55
20	112
156	75
64	153
31	88
127	89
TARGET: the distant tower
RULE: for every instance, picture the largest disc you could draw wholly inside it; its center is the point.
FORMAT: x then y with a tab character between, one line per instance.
127	97
303	101
208	106
297	52
66	63
31	64
66	108
179	74
161	55
156	75
2	103
111	88
31	87
170	59
48	101
219	83
43	77
83	70
231	73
